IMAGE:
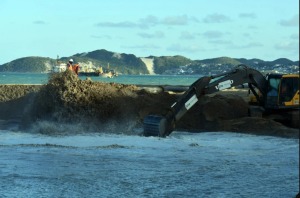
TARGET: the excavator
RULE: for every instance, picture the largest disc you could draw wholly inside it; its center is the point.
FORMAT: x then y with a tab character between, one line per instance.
274	94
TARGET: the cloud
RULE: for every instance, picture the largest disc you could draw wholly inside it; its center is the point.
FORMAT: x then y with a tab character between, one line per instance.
252	27
247	15
39	22
221	42
180	48
287	45
145	46
247	35
175	20
250	45
158	34
295	36
292	22
216	18
150	21
123	24
212	34
101	37
187	35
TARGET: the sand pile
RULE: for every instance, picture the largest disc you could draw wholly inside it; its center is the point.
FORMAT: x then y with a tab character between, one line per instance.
67	99
14	92
15	98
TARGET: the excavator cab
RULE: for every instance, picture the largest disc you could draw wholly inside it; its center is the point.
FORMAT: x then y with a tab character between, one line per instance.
282	91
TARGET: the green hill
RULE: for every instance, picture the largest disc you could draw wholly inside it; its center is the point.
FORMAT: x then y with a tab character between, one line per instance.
164	63
121	62
221	60
282	61
28	64
250	61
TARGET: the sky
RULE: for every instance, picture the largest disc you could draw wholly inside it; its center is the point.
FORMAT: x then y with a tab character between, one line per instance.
196	29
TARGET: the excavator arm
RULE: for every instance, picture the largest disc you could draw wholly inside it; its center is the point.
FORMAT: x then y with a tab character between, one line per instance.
155	125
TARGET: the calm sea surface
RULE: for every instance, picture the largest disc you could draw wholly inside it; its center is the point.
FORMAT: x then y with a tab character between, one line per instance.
37	78
214	164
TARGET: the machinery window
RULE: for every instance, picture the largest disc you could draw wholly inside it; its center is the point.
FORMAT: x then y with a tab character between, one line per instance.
273	86
287	89
296	85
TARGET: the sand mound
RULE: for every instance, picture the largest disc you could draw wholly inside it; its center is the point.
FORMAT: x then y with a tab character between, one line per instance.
15	98
67	99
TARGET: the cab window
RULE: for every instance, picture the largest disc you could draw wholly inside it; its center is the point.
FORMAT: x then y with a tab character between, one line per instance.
273	86
288	89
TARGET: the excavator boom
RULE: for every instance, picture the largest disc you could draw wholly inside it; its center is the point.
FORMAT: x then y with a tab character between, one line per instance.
156	125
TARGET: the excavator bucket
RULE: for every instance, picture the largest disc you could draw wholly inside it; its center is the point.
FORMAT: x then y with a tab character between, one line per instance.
155	125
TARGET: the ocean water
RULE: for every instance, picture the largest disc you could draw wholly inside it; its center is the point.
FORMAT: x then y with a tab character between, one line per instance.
93	164
42	78
182	165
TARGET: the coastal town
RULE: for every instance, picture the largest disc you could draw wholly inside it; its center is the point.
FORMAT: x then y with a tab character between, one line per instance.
213	69
193	68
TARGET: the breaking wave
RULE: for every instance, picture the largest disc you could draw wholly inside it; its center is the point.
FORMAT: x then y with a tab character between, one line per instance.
54	128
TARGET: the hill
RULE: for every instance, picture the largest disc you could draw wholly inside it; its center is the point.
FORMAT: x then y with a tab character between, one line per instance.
220	61
130	64
282	61
252	61
28	64
121	62
164	63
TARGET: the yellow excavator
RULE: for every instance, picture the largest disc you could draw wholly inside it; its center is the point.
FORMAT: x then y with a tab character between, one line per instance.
274	94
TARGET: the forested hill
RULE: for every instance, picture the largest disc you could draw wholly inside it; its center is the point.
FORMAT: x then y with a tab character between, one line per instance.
28	64
121	62
130	64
